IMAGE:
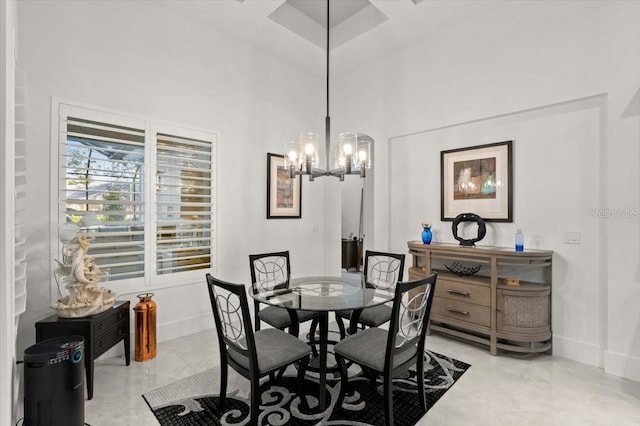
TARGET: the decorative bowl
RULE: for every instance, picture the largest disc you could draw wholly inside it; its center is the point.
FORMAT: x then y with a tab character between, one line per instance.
462	270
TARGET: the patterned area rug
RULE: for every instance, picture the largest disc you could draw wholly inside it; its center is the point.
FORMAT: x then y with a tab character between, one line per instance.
194	400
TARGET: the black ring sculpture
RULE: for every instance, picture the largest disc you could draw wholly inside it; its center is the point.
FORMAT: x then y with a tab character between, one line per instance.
469	217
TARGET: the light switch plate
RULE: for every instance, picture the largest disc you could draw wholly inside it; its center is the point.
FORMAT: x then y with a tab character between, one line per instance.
571	237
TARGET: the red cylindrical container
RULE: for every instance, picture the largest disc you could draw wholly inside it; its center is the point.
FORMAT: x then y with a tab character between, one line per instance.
145	313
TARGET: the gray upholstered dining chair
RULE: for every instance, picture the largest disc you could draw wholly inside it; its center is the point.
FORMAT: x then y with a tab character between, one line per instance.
271	271
381	270
386	353
252	354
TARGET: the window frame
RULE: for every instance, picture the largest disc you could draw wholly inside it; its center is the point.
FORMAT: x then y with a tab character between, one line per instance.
60	109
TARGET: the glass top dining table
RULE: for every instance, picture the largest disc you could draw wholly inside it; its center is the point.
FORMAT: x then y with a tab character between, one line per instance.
324	295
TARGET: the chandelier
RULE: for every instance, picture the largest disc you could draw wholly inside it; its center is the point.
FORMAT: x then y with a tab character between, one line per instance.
352	156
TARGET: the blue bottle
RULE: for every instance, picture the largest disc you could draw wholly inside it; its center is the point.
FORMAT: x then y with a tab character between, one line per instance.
427	235
519	240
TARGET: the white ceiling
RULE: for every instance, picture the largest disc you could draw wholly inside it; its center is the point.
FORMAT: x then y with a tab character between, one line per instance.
361	29
308	19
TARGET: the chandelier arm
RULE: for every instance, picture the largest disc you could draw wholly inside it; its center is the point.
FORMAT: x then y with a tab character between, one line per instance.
316	173
337	172
343	171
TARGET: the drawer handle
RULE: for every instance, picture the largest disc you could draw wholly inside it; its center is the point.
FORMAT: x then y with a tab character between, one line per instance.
456	311
101	343
120	332
100	326
458	293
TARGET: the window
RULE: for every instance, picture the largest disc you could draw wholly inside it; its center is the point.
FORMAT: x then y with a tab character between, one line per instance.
183	204
143	190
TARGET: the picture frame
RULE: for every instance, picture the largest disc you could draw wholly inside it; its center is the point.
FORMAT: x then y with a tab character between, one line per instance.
284	194
479	180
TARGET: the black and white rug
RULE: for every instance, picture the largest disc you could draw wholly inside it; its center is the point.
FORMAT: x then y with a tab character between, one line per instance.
194	400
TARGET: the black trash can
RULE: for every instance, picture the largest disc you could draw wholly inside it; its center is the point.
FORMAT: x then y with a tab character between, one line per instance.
53	382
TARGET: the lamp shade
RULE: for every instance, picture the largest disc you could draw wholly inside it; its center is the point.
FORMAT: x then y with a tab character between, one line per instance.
363	154
308	148
292	154
347	145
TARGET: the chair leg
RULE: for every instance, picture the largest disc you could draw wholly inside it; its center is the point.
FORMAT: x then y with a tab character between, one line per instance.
368	373
257	319
344	379
311	337
224	369
255	399
280	373
420	381
276	376
302	369
388	399
314	325
343	332
294	327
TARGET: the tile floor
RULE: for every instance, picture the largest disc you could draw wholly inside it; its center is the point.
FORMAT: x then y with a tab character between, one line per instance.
508	389
496	390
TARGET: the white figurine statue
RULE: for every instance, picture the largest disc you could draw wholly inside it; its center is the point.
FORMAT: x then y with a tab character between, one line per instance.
80	276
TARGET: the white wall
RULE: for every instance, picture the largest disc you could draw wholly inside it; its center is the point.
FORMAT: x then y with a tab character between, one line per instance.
517	57
547	144
141	58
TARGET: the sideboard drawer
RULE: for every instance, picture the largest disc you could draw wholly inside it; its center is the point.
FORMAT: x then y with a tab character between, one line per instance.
461	311
465	292
105	322
103	342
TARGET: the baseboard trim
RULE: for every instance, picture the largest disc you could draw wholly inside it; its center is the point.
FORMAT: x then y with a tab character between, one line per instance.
165	332
184	327
576	350
621	365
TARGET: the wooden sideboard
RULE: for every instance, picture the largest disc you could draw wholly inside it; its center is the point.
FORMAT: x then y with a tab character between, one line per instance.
482	307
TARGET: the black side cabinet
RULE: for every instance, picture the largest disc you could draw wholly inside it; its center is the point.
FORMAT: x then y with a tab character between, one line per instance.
351	254
101	332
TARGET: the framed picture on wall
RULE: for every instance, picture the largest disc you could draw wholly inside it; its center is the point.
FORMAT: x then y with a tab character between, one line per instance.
284	194
477	179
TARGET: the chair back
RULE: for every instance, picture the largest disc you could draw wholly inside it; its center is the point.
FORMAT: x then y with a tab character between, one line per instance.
269	271
409	319
383	270
233	322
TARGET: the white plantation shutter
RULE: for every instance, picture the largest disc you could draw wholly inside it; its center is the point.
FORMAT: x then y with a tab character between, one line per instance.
144	196
183	203
103	192
20	185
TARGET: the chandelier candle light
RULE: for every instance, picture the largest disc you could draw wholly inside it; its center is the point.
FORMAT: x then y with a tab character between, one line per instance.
353	156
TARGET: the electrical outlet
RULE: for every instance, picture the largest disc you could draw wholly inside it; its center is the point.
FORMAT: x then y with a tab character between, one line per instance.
571	237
